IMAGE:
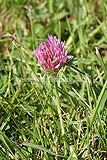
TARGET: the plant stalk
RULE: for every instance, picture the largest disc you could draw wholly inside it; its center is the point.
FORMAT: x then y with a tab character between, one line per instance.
60	115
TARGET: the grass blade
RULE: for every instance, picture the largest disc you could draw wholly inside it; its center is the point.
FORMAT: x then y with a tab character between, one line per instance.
41	148
97	105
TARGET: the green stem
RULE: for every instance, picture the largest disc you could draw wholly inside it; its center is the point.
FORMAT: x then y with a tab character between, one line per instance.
32	31
10	70
59	109
59	31
60	115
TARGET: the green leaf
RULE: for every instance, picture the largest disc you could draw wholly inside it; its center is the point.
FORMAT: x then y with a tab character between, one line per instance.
98	104
83	60
101	62
60	15
11	146
41	148
102	102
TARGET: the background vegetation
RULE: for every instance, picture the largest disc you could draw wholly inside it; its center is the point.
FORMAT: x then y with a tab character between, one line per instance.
29	121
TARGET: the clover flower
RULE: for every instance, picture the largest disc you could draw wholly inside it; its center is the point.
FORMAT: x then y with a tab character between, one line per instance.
52	55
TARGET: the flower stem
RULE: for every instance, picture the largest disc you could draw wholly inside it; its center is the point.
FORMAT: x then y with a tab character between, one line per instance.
59	112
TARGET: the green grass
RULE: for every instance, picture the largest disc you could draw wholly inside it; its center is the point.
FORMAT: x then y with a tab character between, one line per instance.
45	117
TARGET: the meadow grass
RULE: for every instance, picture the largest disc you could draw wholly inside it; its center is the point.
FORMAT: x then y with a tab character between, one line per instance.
53	117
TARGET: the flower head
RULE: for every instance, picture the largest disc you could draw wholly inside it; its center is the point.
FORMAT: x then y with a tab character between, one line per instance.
52	55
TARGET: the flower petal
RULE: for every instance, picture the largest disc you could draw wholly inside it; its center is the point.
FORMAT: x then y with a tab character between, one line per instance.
52	55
